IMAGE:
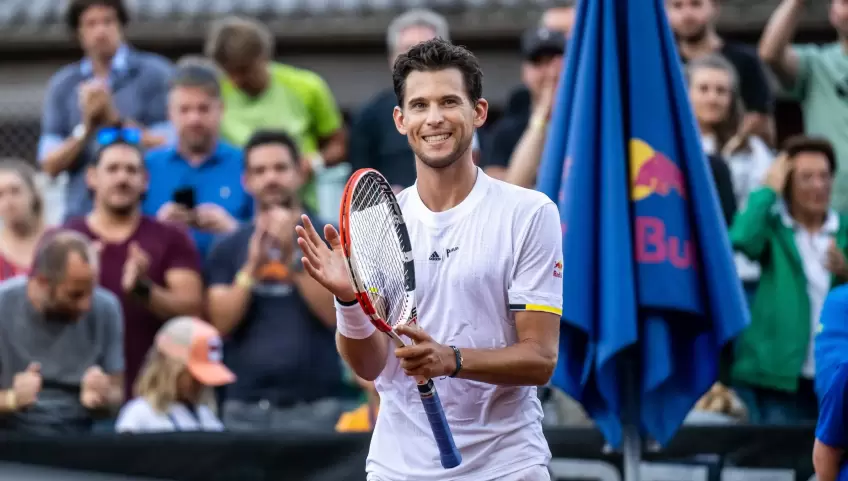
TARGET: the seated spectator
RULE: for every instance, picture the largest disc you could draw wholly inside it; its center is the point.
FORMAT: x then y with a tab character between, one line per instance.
293	100
278	322
816	76
113	83
361	419
800	243
720	405
61	342
694	26
174	391
151	266
196	183
22	214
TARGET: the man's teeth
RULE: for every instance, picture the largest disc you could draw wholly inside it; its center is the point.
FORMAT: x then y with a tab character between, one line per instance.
436	138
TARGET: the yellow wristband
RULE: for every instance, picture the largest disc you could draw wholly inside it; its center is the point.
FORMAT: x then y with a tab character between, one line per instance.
538	124
245	280
11	400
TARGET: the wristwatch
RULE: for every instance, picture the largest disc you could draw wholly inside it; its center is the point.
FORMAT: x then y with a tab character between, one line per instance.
80	132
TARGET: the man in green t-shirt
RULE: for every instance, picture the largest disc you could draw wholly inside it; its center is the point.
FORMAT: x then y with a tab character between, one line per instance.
259	93
817	77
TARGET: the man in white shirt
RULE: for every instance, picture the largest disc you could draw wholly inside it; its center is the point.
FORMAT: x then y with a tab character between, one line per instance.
488	260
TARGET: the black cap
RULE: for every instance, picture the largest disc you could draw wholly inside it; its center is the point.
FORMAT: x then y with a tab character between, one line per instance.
538	42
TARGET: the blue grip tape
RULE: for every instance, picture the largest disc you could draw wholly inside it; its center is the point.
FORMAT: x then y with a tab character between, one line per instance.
438	422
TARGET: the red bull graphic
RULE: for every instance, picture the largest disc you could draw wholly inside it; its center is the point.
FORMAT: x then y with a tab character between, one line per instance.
653	174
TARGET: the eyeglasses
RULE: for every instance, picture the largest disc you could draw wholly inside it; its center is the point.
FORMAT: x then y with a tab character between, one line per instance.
110	135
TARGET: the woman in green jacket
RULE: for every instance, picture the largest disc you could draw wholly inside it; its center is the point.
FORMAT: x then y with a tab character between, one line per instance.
801	245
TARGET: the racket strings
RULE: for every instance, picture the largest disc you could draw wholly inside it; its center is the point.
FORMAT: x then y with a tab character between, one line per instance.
377	249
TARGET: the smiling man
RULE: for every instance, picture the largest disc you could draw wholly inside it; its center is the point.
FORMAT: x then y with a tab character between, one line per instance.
489	298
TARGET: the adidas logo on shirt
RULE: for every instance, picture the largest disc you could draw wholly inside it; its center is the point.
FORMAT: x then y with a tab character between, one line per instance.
435	256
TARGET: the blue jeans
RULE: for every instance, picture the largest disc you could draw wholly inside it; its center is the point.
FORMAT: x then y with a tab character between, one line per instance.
769	406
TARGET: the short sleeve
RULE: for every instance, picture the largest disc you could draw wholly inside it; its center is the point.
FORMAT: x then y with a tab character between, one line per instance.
536	283
502	141
807	56
133	417
220	267
830	429
182	253
113	319
326	117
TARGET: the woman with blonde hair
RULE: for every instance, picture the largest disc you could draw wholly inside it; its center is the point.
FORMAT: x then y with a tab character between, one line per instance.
22	215
175	388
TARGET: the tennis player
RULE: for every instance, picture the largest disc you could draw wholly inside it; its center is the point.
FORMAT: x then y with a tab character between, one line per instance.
488	260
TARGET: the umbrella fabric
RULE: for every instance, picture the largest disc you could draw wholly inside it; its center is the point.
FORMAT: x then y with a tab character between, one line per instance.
647	261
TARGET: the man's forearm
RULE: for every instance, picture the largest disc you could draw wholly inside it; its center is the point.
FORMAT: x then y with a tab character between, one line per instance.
228	306
165	303
367	357
526	363
63	157
779	32
318	299
525	159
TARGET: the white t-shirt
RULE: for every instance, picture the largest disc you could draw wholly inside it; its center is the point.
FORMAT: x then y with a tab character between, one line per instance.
138	416
497	252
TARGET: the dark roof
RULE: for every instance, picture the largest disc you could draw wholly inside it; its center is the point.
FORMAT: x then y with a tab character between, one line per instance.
41	22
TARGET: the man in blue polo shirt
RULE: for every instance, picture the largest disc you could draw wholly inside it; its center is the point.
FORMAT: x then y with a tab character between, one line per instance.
831	381
113	84
197	182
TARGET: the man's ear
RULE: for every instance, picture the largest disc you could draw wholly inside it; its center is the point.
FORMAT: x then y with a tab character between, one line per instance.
481	113
397	114
91	176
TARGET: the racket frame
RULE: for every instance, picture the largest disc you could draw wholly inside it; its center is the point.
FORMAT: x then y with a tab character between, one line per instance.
449	454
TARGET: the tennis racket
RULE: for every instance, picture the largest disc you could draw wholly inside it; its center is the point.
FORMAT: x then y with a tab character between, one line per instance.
379	258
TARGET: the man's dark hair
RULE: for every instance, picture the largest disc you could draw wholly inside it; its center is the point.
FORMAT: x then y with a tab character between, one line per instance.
266	137
193	72
54	249
433	56
78	7
799	144
98	154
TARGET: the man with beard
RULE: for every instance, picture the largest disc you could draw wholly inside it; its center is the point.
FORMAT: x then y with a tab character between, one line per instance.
817	77
195	183
694	25
61	350
489	292
278	321
152	266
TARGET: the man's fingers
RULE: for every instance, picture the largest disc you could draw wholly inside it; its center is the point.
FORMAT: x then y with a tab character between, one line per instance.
311	270
332	236
413	332
308	251
412	352
310	231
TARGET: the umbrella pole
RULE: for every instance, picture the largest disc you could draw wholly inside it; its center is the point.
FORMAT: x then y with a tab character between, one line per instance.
631	442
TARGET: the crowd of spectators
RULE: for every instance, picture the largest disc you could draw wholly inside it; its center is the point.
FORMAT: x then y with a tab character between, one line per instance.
183	183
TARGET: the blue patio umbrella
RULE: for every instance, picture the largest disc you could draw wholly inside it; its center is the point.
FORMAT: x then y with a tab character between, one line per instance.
650	291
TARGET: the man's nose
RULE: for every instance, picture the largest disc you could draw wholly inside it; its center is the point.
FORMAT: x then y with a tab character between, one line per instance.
434	115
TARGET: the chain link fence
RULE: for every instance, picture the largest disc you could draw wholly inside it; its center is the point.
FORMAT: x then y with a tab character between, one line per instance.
19	138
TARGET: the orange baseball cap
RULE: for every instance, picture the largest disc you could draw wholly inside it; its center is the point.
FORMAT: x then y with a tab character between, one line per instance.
198	345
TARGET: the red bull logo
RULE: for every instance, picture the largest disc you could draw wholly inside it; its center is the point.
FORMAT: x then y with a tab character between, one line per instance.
652	173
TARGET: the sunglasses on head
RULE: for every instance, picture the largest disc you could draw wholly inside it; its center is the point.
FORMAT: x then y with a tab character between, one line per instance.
110	135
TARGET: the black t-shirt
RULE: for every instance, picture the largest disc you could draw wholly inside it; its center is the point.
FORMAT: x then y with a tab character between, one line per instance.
753	83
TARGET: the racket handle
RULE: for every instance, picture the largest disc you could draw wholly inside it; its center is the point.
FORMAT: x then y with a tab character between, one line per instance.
438	422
